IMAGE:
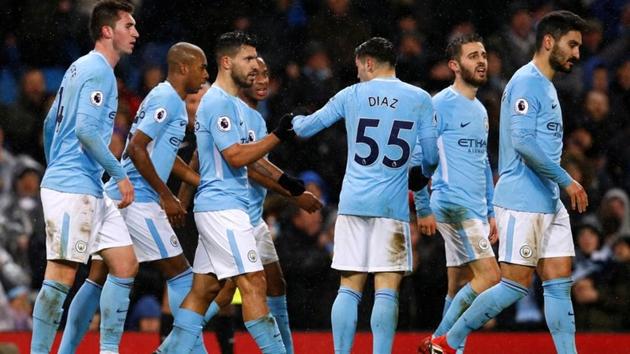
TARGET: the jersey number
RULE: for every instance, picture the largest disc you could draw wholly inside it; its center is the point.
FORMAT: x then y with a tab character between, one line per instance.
59	117
374	148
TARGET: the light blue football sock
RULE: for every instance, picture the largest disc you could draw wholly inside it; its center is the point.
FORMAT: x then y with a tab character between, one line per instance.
185	333
462	300
178	287
213	309
47	313
559	314
447	304
485	307
114	306
80	314
344	319
266	334
278	308
384	320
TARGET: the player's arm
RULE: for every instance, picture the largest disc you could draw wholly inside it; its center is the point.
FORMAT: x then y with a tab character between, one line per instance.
88	125
185	173
139	155
187	191
426	219
493	236
427	135
240	155
333	110
273	178
523	133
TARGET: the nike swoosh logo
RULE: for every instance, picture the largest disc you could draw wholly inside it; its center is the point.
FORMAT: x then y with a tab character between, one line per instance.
182	123
553	106
463	124
121	311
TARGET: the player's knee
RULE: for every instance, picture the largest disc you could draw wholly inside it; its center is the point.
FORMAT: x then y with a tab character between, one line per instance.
252	284
205	291
124	268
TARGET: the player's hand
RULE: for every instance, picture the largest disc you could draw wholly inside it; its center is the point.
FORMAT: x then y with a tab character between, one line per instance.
174	211
493	236
308	201
427	225
126	192
284	130
579	199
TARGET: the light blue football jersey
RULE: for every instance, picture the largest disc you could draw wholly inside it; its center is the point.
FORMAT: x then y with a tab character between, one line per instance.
161	116
384	119
220	124
462	183
530	144
87	95
257	129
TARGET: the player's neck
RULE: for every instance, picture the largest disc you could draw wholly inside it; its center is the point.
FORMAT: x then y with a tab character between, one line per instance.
465	89
226	83
384	73
178	86
542	63
252	103
108	52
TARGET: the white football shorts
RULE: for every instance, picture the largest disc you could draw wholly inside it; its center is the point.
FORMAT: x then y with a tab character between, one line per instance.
465	241
227	246
372	244
78	225
524	237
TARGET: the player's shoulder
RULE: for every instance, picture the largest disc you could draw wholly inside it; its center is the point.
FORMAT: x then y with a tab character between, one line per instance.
528	76
216	100
92	65
445	97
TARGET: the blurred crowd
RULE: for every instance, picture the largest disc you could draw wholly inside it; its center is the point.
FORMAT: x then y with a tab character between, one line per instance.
309	46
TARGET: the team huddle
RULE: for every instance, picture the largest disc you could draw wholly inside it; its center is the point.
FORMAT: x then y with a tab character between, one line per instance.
399	138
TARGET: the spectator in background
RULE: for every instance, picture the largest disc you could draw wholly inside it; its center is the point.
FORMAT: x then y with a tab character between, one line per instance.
597	122
21	308
517	41
590	258
24	230
612	217
411	59
311	282
23	121
602	305
7	168
331	26
151	77
620	94
145	315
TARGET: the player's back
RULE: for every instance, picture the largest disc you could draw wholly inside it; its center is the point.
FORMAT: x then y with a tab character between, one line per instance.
383	118
220	124
161	116
459	183
88	88
532	98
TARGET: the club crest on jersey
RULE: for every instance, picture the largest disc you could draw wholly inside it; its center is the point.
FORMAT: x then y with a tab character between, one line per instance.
526	251
251	135
521	106
80	246
96	97
224	124
174	241
159	115
484	244
252	256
